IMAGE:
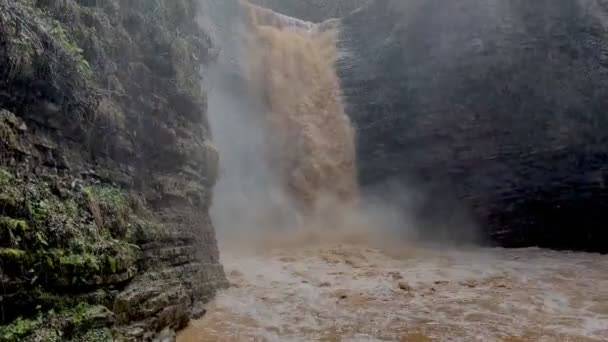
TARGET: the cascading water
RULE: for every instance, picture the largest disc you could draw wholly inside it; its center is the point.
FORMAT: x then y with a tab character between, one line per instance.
287	146
289	64
288	162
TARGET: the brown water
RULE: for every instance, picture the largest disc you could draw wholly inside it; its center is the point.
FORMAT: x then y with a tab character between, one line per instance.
341	292
289	65
314	286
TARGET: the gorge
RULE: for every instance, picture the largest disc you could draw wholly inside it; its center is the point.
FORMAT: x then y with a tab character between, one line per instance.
395	160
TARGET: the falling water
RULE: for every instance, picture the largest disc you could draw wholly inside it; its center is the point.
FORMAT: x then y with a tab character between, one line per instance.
290	65
288	159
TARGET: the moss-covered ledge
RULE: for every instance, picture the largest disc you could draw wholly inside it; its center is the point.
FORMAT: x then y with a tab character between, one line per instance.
65	249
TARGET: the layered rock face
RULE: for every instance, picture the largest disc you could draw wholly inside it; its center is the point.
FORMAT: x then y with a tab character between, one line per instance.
491	108
106	169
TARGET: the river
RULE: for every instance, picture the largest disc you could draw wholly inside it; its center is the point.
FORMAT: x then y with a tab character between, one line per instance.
349	292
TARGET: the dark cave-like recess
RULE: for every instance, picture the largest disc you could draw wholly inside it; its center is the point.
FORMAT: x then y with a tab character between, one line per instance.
500	106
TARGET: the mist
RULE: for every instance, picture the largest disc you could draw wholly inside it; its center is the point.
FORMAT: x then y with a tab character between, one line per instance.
288	170
348	207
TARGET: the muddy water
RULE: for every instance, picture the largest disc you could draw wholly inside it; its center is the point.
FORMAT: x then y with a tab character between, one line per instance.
288	65
352	293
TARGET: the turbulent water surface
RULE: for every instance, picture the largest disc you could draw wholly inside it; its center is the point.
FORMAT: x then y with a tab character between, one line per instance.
342	292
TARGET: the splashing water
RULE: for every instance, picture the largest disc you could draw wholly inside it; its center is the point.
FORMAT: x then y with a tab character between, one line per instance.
342	292
290	65
287	147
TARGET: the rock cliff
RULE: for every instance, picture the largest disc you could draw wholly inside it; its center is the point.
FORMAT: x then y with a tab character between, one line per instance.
495	109
106	170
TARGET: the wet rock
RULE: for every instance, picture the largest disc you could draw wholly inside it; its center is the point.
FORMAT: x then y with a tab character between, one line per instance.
199	310
167	335
135	225
449	99
22	127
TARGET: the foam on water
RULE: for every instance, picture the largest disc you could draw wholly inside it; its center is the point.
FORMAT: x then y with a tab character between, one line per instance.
352	293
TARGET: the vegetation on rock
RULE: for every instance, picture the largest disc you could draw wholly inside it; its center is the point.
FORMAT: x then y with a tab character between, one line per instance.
81	323
103	167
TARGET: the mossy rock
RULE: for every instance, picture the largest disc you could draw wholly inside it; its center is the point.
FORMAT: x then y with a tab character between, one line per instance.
111	209
17	330
81	238
9	126
13	225
79	323
11	254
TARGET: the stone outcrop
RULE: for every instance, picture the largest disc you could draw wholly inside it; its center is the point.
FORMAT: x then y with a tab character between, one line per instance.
491	108
106	169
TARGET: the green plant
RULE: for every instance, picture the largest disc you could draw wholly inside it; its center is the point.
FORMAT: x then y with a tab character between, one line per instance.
77	323
11	253
110	208
12	230
19	329
7	135
12	224
5	176
61	36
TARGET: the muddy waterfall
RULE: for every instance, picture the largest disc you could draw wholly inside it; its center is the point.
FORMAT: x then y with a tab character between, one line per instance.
303	170
298	130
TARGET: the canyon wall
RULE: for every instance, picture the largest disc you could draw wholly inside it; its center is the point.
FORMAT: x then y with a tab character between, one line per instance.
492	109
106	169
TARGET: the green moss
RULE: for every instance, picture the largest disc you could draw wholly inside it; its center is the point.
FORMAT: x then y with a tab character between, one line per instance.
7	200
79	261
96	335
108	196
19	329
7	134
12	231
47	300
58	239
13	224
69	45
43	208
112	264
83	322
12	253
5	176
10	193
111	209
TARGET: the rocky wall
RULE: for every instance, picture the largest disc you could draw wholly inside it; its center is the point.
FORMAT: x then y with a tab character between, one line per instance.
106	169
492	111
